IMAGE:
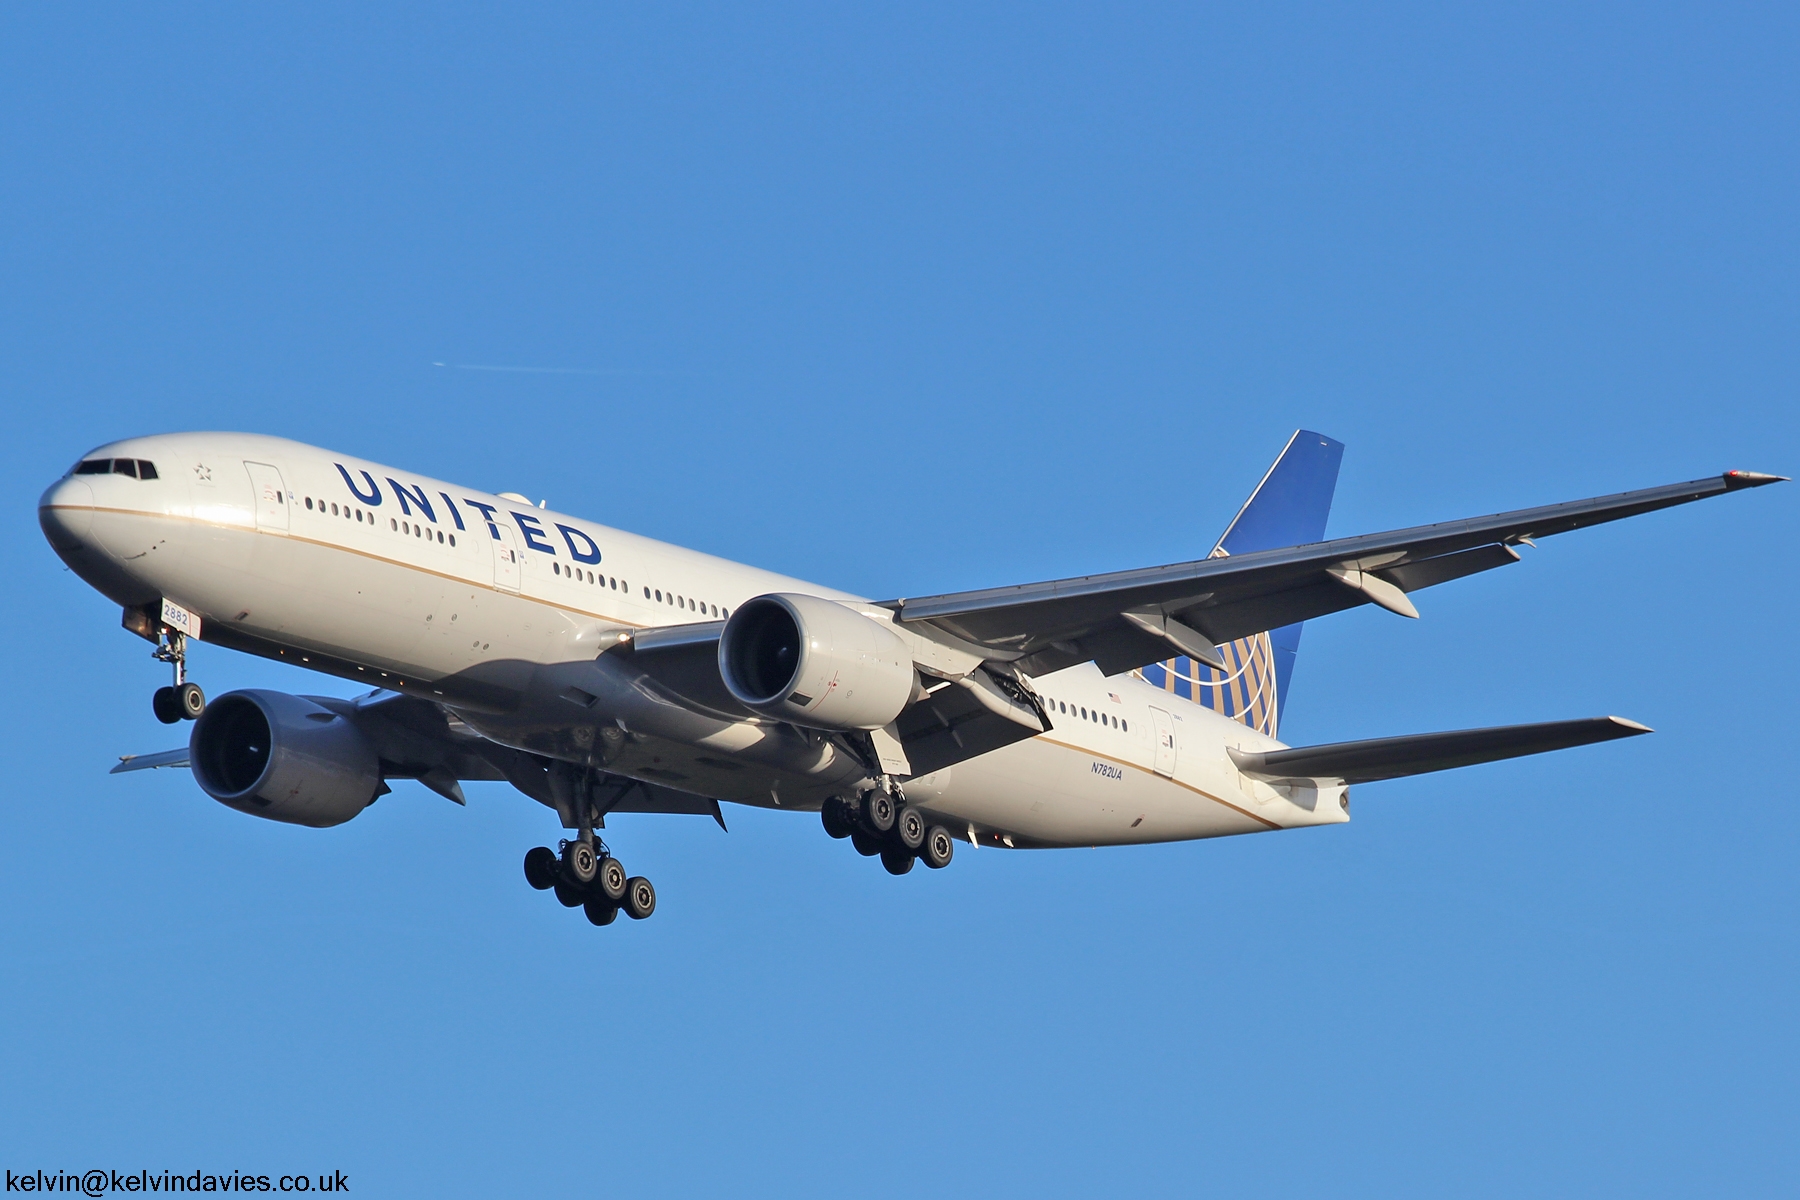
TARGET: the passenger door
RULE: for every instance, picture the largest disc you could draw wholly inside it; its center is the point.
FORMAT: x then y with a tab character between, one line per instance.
270	496
1165	742
506	557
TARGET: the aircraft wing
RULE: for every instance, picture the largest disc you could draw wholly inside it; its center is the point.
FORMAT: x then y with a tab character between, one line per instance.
1421	753
417	739
1127	619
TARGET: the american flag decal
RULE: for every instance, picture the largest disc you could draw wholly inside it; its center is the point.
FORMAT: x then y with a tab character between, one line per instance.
1245	692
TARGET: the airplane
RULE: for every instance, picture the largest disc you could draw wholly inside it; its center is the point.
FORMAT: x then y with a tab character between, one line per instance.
600	672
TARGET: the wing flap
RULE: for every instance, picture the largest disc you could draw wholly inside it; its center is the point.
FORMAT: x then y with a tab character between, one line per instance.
1421	753
146	762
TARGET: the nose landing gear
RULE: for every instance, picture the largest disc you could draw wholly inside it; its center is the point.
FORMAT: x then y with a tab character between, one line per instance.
184	701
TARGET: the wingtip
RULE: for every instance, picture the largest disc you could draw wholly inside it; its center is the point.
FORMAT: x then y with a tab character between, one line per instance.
1632	728
1750	479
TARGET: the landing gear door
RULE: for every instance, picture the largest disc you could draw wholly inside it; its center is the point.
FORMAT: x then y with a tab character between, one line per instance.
506	558
1165	742
270	497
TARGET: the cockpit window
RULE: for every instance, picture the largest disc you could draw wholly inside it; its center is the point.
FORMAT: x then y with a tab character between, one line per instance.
137	468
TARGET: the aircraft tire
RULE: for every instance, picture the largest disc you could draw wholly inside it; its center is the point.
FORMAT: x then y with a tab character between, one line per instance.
568	896
938	848
866	845
878	811
834	818
897	862
600	911
190	700
640	898
540	868
166	707
579	863
909	829
610	880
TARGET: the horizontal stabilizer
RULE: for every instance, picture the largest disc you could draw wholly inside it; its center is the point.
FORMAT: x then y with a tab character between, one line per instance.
1420	753
143	762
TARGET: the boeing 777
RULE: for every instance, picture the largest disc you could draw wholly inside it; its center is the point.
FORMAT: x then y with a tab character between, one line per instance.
600	672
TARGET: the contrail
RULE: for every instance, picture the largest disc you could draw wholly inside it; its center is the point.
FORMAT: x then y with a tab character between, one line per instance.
552	370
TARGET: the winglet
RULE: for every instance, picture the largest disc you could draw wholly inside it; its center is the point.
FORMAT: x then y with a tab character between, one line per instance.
1749	479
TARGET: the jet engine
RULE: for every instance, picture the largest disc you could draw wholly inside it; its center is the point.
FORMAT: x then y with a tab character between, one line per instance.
815	662
283	757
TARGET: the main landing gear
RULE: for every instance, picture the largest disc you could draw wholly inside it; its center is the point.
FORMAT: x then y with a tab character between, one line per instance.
586	876
880	823
582	871
184	701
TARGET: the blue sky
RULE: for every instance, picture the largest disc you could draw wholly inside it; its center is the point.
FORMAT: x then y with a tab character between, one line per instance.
904	300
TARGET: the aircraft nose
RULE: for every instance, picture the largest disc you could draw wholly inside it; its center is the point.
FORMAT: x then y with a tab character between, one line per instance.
66	513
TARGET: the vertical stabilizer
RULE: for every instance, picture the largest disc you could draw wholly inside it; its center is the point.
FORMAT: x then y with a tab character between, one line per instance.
1288	508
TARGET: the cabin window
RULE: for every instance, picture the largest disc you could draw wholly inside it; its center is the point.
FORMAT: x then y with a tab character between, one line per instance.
334	508
393	524
453	539
309	504
1124	726
658	594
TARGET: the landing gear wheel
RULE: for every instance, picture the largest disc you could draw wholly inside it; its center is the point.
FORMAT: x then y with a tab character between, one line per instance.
579	863
878	811
640	898
190	701
610	881
897	862
600	910
865	844
909	829
834	818
567	896
166	707
938	848
540	868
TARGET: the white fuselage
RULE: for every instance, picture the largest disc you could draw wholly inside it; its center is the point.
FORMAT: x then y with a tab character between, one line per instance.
502	612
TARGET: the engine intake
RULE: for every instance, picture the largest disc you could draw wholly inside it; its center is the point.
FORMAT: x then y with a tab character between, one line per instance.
283	757
815	662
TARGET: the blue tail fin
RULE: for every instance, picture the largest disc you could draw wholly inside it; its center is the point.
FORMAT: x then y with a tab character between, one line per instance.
1288	508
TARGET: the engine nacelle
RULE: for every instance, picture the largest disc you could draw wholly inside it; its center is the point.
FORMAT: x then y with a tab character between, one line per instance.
283	757
815	662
